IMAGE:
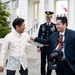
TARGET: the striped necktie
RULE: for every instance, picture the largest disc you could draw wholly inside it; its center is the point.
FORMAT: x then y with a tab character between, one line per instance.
60	45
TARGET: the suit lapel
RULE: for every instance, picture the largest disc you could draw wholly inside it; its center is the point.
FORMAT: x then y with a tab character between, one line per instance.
67	35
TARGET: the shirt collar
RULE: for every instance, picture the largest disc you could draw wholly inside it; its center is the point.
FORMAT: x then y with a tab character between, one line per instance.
16	33
63	33
49	23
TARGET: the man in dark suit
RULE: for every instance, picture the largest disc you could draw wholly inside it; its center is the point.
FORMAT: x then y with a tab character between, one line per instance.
65	64
45	31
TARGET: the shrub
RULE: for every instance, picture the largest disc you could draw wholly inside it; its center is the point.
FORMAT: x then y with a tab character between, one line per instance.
4	23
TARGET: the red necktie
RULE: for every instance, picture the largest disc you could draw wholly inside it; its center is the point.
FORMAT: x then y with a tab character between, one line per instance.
60	46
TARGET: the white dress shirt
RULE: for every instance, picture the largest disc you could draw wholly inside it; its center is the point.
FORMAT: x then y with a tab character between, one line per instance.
49	23
14	46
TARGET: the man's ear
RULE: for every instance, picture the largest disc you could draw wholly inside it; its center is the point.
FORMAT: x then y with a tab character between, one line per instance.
17	26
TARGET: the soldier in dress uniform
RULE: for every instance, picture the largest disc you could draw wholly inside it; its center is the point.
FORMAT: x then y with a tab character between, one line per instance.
45	31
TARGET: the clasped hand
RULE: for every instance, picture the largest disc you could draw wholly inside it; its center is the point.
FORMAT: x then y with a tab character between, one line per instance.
32	37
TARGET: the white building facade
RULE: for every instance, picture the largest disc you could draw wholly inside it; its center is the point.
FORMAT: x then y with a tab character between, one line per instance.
33	11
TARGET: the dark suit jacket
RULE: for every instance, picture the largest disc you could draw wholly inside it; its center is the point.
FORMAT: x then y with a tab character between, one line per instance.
44	33
69	45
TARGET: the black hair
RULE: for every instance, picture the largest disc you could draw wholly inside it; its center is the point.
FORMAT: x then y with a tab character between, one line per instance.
63	19
17	21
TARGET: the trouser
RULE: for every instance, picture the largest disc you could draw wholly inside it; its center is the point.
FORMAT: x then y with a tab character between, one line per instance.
21	71
43	64
63	68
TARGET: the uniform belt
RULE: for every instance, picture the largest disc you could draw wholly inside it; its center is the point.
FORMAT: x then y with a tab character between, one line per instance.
62	59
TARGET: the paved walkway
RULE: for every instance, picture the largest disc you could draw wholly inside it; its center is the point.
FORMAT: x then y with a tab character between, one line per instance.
33	58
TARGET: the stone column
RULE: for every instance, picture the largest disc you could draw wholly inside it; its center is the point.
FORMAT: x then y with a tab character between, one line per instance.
11	12
15	6
71	14
23	10
52	7
47	5
54	16
42	12
38	12
30	15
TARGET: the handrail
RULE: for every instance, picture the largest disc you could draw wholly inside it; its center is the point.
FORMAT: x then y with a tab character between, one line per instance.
32	30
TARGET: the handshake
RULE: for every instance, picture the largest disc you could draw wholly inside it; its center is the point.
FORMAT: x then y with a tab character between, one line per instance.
32	37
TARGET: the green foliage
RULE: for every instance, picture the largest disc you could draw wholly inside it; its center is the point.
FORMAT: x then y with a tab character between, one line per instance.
4	23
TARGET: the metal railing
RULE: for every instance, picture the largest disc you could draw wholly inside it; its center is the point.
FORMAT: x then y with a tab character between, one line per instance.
33	29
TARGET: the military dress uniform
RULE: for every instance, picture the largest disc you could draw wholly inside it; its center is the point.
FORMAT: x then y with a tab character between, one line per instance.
45	32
